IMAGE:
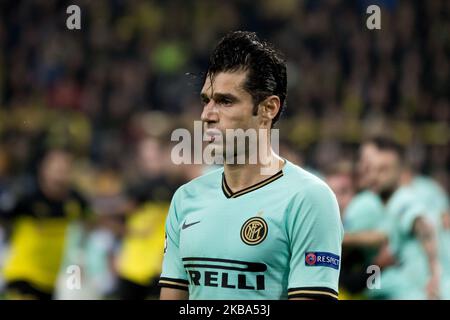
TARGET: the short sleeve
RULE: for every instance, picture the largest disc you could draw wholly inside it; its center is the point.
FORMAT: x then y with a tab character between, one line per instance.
173	273
315	231
404	210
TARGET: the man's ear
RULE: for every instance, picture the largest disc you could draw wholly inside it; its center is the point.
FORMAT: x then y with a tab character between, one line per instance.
269	108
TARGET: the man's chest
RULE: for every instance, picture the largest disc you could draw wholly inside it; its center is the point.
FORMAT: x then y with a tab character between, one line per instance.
231	230
242	245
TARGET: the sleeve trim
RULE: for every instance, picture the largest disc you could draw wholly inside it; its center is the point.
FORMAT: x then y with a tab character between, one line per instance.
172	286
312	292
173	283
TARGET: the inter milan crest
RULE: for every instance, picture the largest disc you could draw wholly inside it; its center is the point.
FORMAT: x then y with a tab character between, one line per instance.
254	231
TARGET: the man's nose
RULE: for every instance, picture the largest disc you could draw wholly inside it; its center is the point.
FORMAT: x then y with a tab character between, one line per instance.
209	113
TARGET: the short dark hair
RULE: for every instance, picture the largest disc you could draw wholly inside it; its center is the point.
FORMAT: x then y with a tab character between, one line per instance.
387	144
243	50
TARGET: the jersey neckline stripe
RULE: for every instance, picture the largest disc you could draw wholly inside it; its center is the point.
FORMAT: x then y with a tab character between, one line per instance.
230	194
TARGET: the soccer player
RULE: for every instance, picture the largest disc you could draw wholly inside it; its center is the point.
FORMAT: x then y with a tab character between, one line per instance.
364	218
235	232
435	199
412	233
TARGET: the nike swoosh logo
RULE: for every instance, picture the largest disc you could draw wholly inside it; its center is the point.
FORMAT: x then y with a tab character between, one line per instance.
184	226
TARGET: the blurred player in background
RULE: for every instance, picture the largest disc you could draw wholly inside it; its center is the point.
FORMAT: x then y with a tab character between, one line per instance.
365	210
92	250
38	223
412	229
363	219
411	259
236	233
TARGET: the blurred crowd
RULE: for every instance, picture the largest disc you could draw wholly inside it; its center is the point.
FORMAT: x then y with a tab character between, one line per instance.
98	106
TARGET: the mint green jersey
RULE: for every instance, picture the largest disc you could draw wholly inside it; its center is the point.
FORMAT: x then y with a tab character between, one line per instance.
412	272
431	194
436	201
408	278
278	239
365	212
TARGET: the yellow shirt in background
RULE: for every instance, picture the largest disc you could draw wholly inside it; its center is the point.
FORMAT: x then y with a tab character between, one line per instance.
140	257
36	251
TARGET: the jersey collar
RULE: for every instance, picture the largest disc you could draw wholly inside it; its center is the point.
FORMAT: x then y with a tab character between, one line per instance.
230	194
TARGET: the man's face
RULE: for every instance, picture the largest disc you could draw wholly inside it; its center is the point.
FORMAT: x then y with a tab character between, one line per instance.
226	105
387	171
55	171
149	157
364	167
342	186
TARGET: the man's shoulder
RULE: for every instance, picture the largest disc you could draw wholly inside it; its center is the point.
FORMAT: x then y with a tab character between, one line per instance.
402	195
403	200
427	186
303	182
312	200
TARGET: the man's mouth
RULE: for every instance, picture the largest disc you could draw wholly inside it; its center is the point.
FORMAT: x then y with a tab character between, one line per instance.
211	135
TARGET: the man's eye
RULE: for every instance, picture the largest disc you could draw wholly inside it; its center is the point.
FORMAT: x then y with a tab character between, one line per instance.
224	101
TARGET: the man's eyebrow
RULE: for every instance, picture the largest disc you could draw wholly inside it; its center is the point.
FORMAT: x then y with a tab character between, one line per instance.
219	96
204	96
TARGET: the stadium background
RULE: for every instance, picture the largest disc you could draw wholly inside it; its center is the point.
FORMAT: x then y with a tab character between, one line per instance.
114	91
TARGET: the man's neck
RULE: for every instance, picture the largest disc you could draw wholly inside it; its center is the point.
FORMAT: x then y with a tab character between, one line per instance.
241	176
